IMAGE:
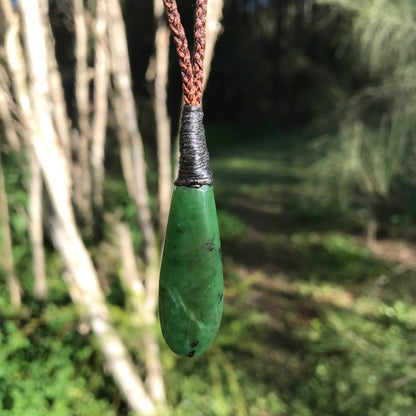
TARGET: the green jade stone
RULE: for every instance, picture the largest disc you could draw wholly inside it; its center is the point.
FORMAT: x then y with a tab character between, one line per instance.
191	277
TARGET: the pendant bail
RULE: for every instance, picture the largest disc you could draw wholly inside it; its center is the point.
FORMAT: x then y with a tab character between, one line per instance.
194	164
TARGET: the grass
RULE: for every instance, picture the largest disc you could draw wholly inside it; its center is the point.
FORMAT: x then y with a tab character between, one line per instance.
312	317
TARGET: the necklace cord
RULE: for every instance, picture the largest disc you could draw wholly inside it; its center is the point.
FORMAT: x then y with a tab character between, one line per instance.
192	71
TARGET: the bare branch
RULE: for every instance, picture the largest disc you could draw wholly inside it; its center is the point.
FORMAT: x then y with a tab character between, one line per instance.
9	123
117	358
213	30
130	275
81	70
161	66
133	283
8	13
82	177
16	64
101	81
60	117
154	370
36	228
128	130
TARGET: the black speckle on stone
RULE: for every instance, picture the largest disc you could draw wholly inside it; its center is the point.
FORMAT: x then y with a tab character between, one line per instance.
220	297
209	245
191	354
194	344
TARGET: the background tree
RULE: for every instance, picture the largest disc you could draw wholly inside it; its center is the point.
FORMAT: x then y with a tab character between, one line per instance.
377	139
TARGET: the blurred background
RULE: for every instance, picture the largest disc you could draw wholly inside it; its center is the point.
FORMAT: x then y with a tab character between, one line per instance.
310	109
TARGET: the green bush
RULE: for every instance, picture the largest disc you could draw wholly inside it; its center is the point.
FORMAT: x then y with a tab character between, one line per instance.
48	368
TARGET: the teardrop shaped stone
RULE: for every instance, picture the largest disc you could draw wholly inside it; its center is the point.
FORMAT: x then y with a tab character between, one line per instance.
191	276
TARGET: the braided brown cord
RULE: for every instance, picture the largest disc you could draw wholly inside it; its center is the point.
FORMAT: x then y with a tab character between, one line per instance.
192	72
199	51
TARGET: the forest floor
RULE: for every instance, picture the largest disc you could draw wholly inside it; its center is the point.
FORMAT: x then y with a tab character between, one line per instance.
316	322
325	315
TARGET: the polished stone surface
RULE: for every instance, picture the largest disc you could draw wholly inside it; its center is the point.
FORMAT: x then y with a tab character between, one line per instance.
191	276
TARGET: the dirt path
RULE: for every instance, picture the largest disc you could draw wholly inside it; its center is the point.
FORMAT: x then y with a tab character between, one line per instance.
397	251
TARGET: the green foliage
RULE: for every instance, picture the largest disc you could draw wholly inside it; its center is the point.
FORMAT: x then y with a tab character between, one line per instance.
362	365
385	31
16	175
374	149
359	161
48	368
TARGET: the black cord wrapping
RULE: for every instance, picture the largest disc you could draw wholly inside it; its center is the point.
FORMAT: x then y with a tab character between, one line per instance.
194	166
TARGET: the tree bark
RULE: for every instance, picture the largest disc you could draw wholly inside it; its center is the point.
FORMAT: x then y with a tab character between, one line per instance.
101	81
6	258
82	177
9	123
63	229
163	139
149	303
129	273
134	285
60	114
15	62
78	262
213	30
128	130
36	228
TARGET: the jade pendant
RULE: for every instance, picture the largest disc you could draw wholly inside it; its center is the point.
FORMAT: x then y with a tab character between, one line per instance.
191	276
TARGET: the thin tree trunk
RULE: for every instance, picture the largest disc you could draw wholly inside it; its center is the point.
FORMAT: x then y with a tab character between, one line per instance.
15	62
82	177
213	30
152	261
130	275
75	292
9	124
101	81
154	370
60	115
6	258
128	130
78	262
133	283
161	67
36	228
81	69
125	153
63	228
151	254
